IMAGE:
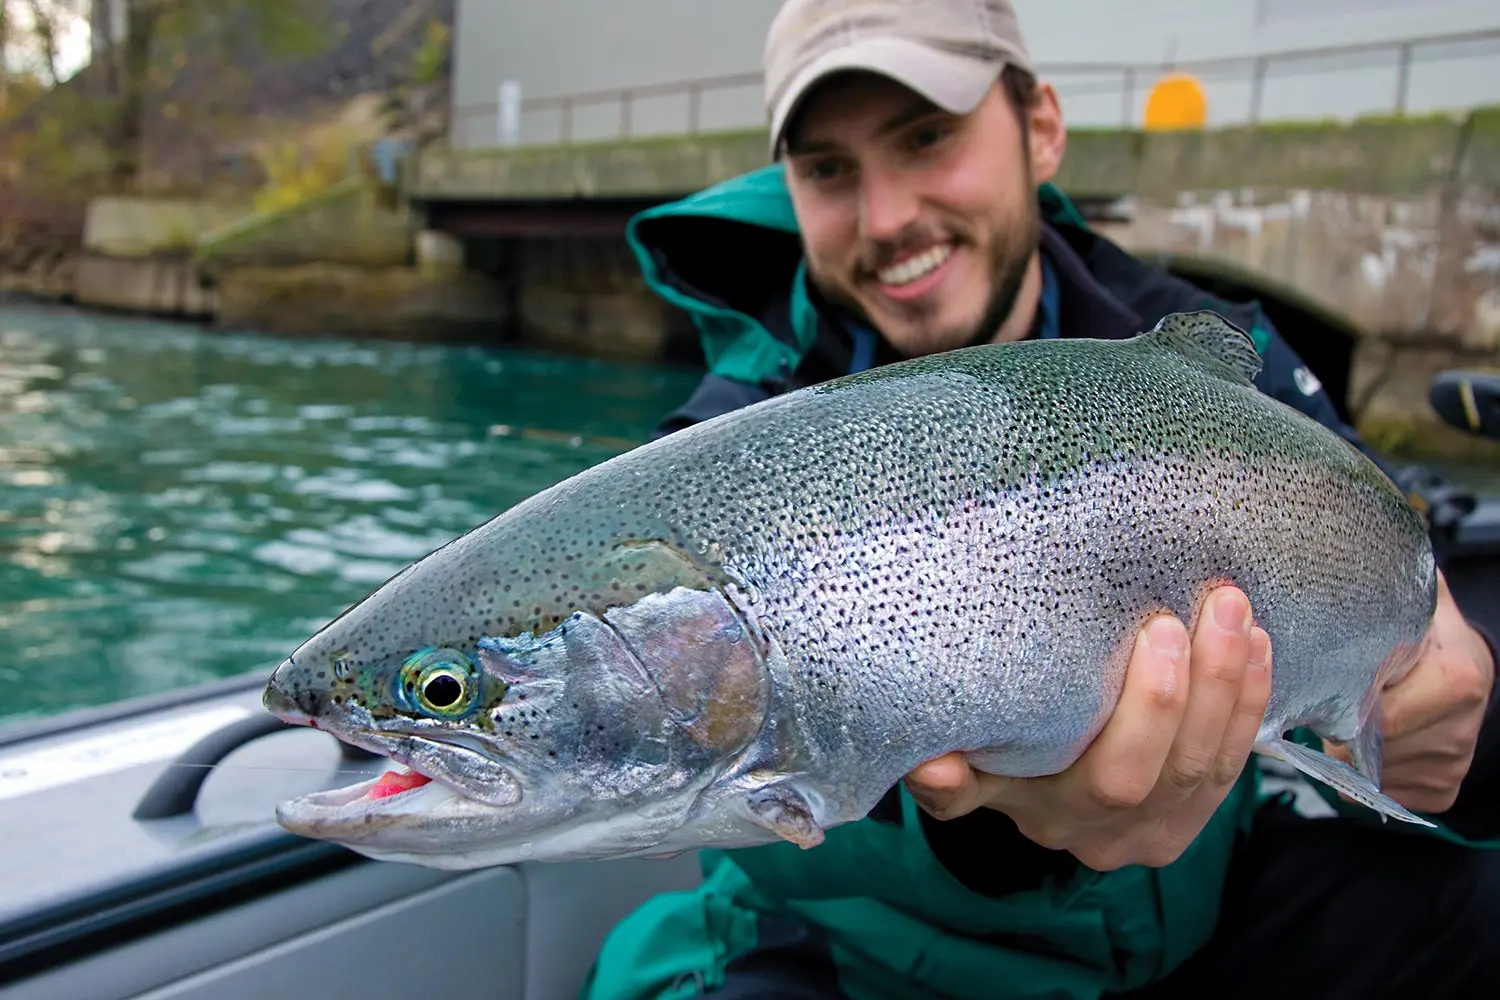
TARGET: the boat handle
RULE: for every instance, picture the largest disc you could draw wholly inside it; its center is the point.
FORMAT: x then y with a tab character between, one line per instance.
175	791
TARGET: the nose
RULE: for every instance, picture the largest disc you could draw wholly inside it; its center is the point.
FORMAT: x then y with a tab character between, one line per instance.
280	698
887	205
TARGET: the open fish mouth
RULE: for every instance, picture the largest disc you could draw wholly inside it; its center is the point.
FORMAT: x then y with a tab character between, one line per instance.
412	786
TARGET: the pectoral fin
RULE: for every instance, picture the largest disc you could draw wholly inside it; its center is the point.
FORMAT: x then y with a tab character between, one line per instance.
1339	776
785	812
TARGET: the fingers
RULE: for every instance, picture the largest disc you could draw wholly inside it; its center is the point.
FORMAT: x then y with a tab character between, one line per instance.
1444	683
1238	741
1249	710
946	787
1124	762
1220	651
1180	735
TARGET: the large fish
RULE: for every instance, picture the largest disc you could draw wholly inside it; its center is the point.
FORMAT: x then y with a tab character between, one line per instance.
748	631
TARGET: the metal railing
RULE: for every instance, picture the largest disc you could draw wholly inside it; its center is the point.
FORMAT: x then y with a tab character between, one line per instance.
1128	80
625	97
1401	56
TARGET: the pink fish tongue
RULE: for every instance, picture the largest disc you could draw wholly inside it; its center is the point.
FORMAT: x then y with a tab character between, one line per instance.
396	782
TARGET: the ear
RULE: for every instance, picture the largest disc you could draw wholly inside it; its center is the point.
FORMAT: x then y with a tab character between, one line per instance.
1046	133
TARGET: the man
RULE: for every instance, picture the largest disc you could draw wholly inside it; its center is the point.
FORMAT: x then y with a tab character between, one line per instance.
909	212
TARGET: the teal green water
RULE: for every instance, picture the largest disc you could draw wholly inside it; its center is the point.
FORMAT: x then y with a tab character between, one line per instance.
178	505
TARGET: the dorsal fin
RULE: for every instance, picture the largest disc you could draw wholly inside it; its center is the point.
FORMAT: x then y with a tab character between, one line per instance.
1211	342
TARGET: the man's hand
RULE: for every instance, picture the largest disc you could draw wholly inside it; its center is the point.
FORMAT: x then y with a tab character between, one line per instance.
1176	743
1431	717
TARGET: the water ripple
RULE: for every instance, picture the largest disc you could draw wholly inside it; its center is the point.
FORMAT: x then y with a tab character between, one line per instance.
179	504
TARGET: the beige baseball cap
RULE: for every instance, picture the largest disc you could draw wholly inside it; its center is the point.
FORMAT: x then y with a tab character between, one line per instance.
949	51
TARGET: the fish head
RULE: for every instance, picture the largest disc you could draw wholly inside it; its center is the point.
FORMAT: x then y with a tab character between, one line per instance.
589	737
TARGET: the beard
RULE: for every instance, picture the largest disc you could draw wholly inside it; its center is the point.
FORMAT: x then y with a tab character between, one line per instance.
1007	259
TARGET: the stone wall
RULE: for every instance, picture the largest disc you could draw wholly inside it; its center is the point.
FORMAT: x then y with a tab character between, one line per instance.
586	295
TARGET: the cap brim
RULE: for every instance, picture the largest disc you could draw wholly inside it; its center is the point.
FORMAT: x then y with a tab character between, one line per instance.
954	82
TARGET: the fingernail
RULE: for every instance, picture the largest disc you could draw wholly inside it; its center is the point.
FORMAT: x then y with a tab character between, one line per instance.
1260	649
1231	612
1167	636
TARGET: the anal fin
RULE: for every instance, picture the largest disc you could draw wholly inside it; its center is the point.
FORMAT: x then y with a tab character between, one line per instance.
785	812
1340	776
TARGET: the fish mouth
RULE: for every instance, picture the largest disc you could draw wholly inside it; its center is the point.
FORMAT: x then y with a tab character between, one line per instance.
430	778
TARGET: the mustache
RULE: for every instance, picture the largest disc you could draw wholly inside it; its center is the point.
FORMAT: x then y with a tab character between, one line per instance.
877	255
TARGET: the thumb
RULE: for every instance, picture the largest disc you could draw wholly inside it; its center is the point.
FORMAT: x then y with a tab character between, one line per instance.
947	787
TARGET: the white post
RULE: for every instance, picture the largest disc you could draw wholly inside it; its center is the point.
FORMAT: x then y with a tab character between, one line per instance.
508	124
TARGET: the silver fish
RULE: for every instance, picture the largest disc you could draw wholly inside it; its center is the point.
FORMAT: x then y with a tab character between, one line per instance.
751	629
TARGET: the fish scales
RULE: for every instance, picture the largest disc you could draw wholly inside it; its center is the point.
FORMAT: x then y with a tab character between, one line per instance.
949	553
951	600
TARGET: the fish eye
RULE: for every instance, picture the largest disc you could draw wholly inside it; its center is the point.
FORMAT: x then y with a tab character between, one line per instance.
439	682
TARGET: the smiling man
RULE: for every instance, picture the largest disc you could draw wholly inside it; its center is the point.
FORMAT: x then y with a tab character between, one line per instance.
910	211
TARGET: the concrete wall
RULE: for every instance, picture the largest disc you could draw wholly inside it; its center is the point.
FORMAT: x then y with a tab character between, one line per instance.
570	46
1392	225
348	224
573	46
344	300
123	226
167	286
1379	157
587	296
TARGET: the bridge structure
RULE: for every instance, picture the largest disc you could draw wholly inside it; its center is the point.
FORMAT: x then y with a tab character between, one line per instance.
1376	240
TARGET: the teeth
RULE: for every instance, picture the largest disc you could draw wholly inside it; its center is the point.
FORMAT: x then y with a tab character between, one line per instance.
912	268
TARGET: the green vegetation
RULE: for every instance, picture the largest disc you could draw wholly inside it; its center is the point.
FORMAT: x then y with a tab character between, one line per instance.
178	77
431	60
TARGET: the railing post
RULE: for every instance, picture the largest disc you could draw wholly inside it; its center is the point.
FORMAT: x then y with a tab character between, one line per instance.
1257	87
695	100
1127	98
625	114
567	121
1403	77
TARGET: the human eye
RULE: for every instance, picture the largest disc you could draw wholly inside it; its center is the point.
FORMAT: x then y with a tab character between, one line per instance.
929	135
822	169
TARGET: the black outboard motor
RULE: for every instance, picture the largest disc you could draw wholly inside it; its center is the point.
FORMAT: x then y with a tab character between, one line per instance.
1465	532
1468	400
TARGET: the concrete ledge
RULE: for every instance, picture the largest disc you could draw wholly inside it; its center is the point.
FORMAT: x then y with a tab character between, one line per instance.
346	224
341	300
1390	156
167	286
120	226
646	167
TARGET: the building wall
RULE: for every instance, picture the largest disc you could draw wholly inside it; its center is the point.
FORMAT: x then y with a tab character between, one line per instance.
564	47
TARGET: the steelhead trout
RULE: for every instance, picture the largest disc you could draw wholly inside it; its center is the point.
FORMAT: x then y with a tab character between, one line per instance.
751	629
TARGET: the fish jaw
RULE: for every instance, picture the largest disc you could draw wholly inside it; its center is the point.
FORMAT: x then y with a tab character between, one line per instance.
434	826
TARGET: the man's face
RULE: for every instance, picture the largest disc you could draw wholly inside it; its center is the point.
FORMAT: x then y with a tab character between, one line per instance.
921	221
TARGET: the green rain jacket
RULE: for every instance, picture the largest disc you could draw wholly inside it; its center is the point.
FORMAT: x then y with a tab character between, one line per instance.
897	922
